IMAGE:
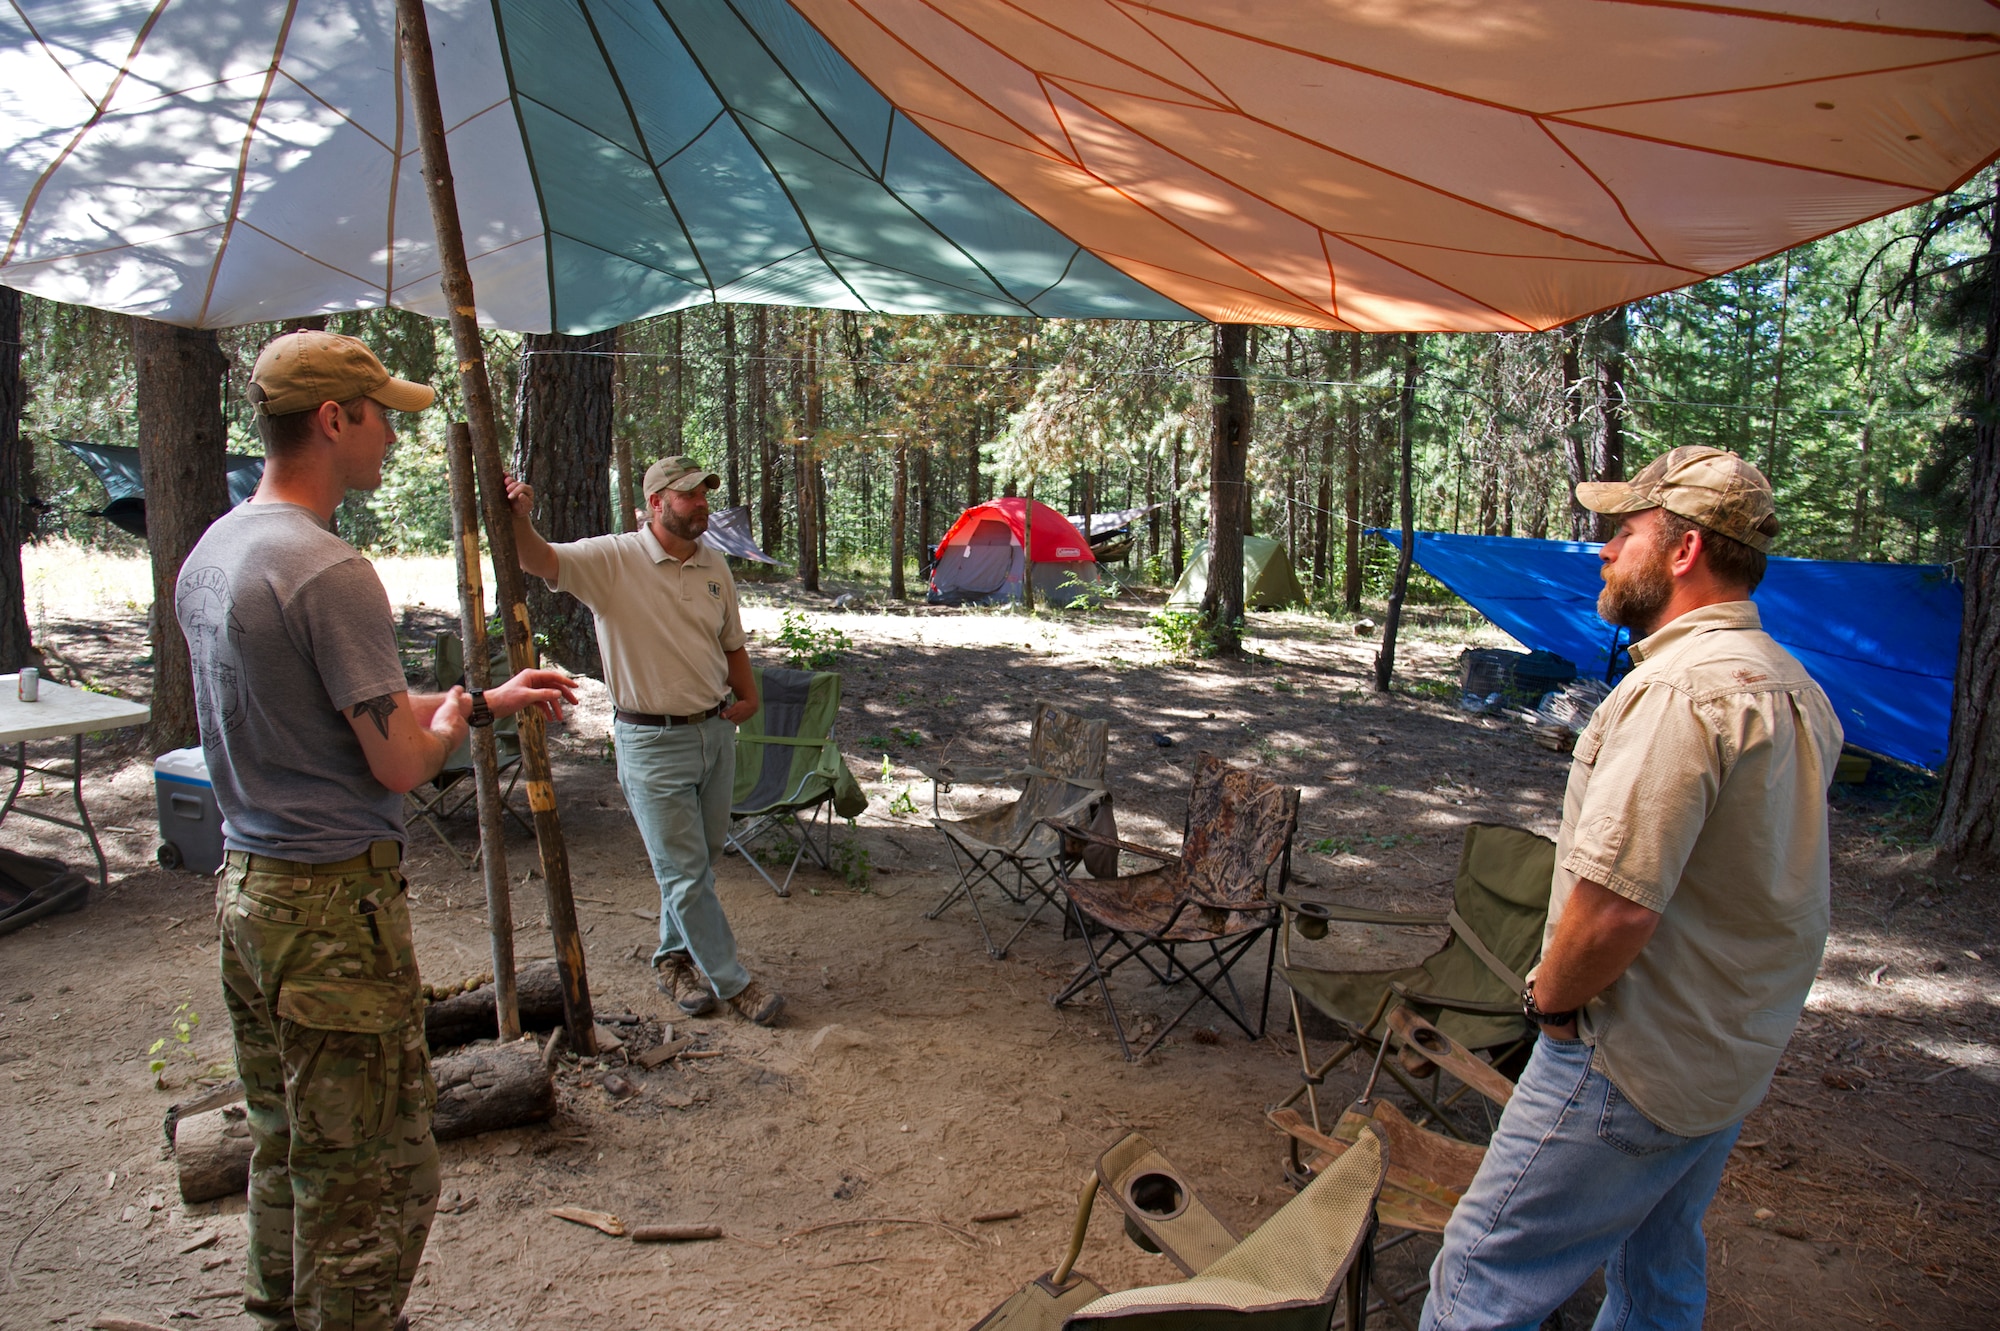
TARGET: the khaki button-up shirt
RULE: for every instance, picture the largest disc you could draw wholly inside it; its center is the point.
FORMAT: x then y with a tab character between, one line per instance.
663	624
1699	790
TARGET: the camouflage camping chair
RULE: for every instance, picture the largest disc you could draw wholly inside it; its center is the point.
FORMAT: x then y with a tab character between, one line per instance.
447	793
1211	899
1457	1011
791	781
1290	1274
1063	783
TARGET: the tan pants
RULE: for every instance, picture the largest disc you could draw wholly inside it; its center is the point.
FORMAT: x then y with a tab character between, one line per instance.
319	973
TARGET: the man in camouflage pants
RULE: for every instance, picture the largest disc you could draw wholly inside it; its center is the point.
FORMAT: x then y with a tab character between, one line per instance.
311	739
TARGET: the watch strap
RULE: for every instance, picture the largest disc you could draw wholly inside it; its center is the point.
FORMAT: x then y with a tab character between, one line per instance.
482	715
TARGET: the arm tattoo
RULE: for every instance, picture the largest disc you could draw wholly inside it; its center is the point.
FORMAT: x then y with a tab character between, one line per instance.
378	710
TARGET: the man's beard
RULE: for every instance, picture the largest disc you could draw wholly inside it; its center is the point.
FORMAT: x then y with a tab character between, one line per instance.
687	529
1635	596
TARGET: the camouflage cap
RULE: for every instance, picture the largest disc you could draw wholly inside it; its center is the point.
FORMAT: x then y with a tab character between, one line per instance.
1707	485
678	473
299	370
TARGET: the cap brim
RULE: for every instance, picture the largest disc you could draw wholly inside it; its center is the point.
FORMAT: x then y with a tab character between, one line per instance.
402	395
705	479
1612	497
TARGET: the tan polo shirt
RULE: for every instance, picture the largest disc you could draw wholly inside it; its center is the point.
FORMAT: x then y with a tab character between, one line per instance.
1699	790
662	624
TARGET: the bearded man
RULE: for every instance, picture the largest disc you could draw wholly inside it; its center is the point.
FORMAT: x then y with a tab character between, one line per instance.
1686	922
673	645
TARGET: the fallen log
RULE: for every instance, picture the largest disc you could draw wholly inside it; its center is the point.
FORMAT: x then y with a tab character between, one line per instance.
470	1016
481	1090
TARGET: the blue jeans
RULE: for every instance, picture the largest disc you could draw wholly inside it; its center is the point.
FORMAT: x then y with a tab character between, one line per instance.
677	781
1577	1178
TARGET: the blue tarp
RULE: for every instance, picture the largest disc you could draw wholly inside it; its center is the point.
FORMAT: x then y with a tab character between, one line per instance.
1881	639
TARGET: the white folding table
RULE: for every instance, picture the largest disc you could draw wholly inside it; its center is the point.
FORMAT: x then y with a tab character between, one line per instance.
62	713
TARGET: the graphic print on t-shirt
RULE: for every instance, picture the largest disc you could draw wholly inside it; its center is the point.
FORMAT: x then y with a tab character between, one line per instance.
204	606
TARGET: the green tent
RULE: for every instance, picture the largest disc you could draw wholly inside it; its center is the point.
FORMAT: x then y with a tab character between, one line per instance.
1268	580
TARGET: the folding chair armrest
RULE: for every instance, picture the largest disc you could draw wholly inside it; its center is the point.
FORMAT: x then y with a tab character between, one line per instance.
1085	834
1339	914
1205	903
1465	1005
947	776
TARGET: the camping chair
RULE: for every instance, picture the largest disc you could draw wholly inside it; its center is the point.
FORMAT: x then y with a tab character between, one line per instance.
1461	1001
1063	783
790	777
1212	895
454	787
1163	1215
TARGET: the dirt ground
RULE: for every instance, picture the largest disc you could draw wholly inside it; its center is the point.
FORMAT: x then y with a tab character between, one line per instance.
914	1083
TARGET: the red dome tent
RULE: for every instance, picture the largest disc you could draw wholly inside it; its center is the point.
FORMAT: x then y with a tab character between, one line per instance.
979	560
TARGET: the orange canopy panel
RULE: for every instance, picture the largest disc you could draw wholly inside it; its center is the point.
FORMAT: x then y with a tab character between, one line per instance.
1438	165
1057	540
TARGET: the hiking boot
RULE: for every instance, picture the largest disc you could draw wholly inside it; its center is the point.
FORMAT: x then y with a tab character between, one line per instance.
679	980
758	1004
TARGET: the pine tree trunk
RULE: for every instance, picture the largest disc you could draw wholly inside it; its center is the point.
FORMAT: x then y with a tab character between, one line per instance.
1176	536
182	450
807	496
17	647
1351	554
899	504
1229	456
1576	443
732	447
1385	660
1611	402
926	512
1968	827
676	381
770	503
625	495
564	445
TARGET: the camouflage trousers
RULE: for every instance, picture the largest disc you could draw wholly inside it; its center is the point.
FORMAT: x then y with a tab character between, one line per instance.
319	972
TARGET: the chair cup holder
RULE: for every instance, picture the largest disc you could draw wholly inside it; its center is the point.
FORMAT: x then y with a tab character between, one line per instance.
1157	1196
1138	1237
1311	919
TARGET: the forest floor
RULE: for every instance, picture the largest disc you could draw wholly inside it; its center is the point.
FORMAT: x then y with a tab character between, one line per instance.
914	1083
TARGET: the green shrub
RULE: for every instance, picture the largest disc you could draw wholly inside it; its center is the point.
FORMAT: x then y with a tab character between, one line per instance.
809	648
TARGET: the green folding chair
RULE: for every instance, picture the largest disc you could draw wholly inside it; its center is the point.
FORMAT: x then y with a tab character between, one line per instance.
453	788
791	780
1459	1009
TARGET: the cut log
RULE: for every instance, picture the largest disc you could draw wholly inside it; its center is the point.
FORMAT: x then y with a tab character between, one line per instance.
469	1016
480	1090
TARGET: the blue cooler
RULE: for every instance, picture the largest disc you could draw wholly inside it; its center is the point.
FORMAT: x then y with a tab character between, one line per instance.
190	820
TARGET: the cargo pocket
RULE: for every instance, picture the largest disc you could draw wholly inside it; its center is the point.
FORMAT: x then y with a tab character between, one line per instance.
342	1043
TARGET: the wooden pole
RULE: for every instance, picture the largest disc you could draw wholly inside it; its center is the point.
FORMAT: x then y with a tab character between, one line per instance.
413	34
1385	660
485	751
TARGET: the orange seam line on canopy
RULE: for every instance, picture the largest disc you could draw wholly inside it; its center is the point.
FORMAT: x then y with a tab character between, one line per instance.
1624	261
1609	193
1436	282
1329	149
1220	98
430	275
1041	81
96	114
1332	277
947	75
1801	20
1773	87
69	256
243	160
1736	156
36	33
362	278
339	114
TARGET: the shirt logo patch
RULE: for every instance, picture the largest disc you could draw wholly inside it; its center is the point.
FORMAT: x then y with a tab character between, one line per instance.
715	590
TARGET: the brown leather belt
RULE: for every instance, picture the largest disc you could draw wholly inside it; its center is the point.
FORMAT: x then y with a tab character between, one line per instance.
654	719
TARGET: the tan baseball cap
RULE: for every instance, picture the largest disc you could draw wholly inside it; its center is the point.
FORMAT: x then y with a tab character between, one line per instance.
297	371
1710	486
678	473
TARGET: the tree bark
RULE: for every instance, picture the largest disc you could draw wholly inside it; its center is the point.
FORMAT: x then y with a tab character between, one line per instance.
1176	537
731	446
183	443
17	646
1968	827
469	1016
1385	660
1576	443
926	511
1611	402
770	506
563	446
807	496
481	1090
1351	533
899	503
625	495
1229	459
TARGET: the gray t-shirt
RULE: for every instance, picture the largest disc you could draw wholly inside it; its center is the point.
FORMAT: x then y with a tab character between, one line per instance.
288	627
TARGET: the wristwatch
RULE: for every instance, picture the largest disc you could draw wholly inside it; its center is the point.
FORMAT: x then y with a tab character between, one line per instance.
482	715
1540	1018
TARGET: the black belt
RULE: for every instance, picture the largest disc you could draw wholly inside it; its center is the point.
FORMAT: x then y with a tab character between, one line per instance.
654	719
